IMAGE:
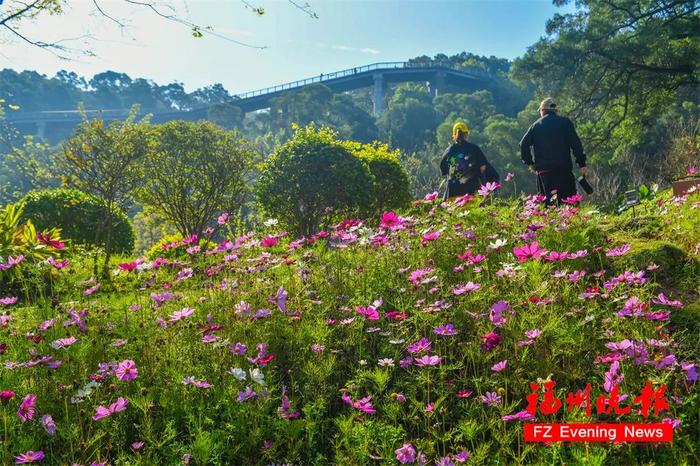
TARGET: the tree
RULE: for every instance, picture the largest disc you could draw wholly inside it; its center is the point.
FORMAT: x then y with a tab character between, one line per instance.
391	184
194	172
409	119
105	160
309	174
616	65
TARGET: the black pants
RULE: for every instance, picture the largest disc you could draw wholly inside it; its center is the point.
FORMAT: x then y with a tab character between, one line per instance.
561	181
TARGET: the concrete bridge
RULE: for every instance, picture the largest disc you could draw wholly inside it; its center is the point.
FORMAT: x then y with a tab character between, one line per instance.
377	75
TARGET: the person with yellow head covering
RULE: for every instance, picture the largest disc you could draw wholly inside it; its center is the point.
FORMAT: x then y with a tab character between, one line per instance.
464	162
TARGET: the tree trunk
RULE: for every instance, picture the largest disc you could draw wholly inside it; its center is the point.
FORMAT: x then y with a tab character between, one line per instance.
108	245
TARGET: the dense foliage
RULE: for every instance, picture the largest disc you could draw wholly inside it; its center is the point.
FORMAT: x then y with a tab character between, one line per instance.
312	177
193	171
80	217
407	338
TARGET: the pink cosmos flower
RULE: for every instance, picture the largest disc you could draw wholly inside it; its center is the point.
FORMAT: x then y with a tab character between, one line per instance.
498	367
362	404
491	399
509	176
428	237
126	370
11	261
692	170
431	197
428	360
575	199
91	290
116	407
496	314
488	188
8	301
662	299
26	408
181	314
619	251
58	264
137	445
63	342
519	416
465	288
534	333
420	346
223	218
491	340
30	457
528	251
190	380
406	454
369	312
445	330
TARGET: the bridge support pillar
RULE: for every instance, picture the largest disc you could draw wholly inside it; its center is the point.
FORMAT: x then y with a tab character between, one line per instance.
437	84
41	129
379	93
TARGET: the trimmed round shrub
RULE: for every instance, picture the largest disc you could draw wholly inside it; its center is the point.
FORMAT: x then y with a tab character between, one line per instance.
79	216
309	174
392	186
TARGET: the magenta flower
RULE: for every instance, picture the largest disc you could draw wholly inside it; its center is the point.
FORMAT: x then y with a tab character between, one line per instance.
48	424
126	370
496	314
620	251
391	221
491	340
428	237
528	251
369	312
127	266
431	196
420	346
519	416
499	366
116	407
268	242
428	360
445	330
575	199
26	408
238	349
58	264
662	299
406	454
6	395
362	404
30	457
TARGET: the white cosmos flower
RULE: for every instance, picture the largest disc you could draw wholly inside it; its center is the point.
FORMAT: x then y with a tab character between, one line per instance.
271	222
257	376
499	243
386	362
237	372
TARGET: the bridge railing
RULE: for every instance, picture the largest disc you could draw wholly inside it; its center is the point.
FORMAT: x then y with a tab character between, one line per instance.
339	74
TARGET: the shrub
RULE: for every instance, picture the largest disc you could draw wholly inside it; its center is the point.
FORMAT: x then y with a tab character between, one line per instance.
310	173
392	186
19	242
79	215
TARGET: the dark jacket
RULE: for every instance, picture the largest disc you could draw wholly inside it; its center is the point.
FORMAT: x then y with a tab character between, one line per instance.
463	162
553	138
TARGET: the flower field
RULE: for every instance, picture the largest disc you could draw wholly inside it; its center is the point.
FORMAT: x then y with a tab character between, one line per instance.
412	338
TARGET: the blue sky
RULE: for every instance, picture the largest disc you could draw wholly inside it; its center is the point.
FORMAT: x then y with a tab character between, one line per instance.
348	33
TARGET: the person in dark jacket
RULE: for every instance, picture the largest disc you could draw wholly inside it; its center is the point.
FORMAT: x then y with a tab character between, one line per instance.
464	162
553	139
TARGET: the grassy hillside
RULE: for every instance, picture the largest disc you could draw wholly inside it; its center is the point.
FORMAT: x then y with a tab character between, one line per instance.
410	338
